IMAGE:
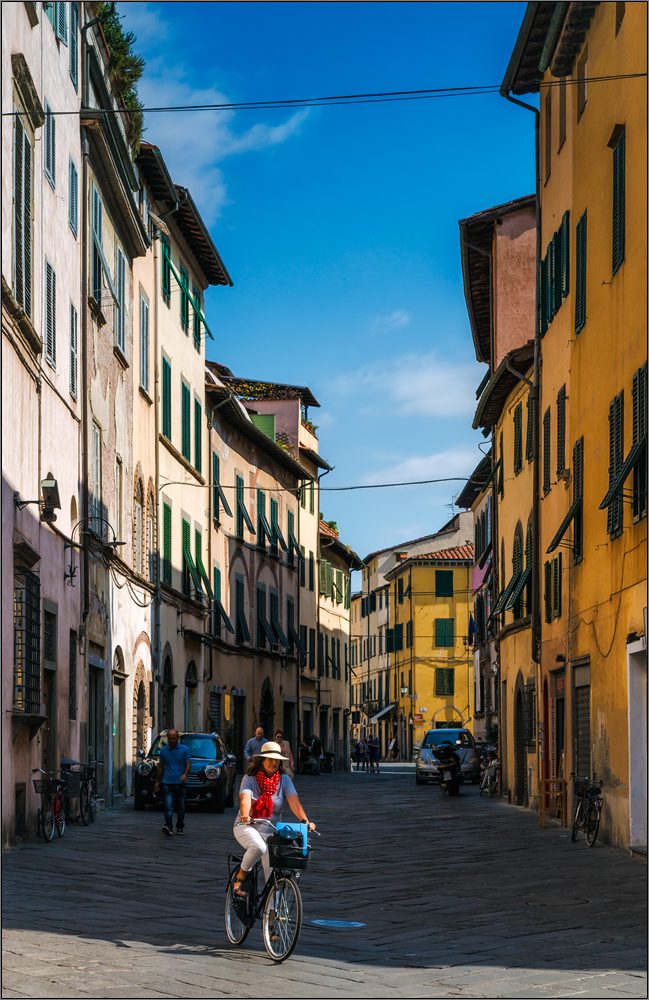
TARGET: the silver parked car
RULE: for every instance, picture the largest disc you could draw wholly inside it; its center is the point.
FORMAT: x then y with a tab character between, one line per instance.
427	768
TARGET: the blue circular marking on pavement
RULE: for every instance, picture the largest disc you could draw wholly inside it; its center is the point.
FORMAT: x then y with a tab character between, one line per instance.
337	923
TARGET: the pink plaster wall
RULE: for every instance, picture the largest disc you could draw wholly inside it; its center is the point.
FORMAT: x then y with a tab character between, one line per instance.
514	280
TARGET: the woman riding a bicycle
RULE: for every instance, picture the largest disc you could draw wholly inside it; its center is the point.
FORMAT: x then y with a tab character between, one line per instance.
261	796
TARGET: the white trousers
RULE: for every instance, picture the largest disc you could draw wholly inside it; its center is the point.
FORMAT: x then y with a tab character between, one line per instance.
253	840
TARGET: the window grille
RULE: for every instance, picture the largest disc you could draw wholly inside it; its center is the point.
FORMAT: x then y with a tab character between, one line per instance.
529	715
23	193
74	351
27	642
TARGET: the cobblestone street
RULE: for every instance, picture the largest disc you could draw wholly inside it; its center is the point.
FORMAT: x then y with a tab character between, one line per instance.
462	897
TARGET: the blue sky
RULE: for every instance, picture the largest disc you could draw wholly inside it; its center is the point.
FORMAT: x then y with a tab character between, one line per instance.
339	225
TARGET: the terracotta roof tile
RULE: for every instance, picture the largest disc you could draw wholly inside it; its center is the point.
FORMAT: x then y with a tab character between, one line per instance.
458	552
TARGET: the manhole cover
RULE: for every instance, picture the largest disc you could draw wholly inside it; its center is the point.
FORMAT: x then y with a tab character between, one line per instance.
337	923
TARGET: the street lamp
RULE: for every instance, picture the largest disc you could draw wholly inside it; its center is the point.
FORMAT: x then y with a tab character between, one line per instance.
70	575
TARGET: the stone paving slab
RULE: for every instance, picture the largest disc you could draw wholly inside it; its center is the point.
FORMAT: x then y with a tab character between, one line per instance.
462	897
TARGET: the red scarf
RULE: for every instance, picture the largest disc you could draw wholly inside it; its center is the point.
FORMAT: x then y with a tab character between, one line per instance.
263	807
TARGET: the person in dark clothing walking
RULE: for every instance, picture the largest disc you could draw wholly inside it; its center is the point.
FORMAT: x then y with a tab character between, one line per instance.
316	749
374	752
173	767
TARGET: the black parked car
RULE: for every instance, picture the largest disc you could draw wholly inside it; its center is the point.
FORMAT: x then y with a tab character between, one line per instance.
211	778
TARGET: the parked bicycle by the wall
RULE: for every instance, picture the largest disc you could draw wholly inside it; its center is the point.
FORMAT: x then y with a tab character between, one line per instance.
588	807
52	811
81	780
279	902
490	776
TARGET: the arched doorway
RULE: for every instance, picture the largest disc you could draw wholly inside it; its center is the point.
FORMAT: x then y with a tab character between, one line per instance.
267	710
519	750
140	718
119	723
168	686
191	699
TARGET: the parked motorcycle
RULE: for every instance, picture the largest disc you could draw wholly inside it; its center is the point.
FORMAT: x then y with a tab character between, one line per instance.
450	772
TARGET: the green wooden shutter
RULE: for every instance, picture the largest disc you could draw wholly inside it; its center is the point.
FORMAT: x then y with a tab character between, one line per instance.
398	638
529	440
549	284
501	475
565	254
216	475
323	576
616	458
548	591
166	544
546	451
561	431
166	269
518	438
198	436
543	296
577	494
580	273
557	278
264	422
186	538
443	583
640	434
186	422
619	201
440	632
166	399
184	298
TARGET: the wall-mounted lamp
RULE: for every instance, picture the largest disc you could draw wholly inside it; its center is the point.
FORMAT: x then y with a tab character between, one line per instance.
48	503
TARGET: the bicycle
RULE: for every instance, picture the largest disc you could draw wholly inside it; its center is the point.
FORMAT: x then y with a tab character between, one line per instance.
489	782
588	808
279	903
88	796
52	811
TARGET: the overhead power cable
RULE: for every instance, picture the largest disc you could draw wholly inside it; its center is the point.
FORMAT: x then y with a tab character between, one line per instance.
337	99
328	489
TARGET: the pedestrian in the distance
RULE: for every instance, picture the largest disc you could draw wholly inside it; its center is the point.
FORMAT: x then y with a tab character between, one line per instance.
374	750
395	750
173	767
391	746
289	766
254	745
316	749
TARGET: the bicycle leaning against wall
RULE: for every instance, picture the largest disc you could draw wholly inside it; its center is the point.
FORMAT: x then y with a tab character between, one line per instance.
588	807
52	811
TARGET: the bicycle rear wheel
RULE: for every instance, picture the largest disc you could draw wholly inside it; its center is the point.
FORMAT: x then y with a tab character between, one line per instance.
592	823
92	797
577	819
235	927
59	814
282	918
47	818
84	805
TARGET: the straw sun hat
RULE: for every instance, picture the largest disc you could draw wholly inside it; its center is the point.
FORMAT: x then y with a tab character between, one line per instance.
272	750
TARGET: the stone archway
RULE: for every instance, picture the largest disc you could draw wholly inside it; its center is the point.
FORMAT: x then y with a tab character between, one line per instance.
519	749
267	709
140	711
448	725
191	698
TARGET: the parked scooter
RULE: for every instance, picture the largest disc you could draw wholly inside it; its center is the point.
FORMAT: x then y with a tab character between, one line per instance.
450	772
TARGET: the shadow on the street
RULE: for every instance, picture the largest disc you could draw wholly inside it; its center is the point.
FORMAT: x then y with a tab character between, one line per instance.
437	882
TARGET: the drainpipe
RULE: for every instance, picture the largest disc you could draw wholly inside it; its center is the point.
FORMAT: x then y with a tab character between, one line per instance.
85	148
534	397
157	604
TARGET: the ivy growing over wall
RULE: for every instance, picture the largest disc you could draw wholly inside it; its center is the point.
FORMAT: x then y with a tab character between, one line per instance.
126	68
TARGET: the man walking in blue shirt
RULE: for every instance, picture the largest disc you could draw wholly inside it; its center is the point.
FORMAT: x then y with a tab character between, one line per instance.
254	745
173	768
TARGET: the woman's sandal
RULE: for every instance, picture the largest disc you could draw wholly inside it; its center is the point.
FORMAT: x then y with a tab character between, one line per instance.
238	891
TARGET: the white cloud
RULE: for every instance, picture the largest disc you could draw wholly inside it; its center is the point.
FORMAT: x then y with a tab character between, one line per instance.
439	465
390	321
194	143
145	21
414	385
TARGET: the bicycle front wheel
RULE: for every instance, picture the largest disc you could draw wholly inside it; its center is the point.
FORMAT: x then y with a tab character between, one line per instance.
493	785
84	805
47	818
235	927
59	815
282	918
592	823
577	820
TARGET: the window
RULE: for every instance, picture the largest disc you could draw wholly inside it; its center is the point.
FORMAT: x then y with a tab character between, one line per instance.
640	442
580	274
74	351
73	198
529	436
243	516
275	528
278	632
22	236
138	504
166	544
338	587
97	235
443	583
529	541
517	567
74	44
577	499
119	486
95	482
186	540
184	298
311	571
150	541
166	269
144	343
49	152
72	673
218	494
263	528
303	566
444	682
241	626
616	459
120	312
186	421
60	21
312	655
548	590
548	134
293	547
50	314
50	640
198	436
27	642
561	431
554	274
546	451
562	112
196	302
518	438
501	475
556	586
529	715
618	198
582	82
444	631
166	399
311	497
409	634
